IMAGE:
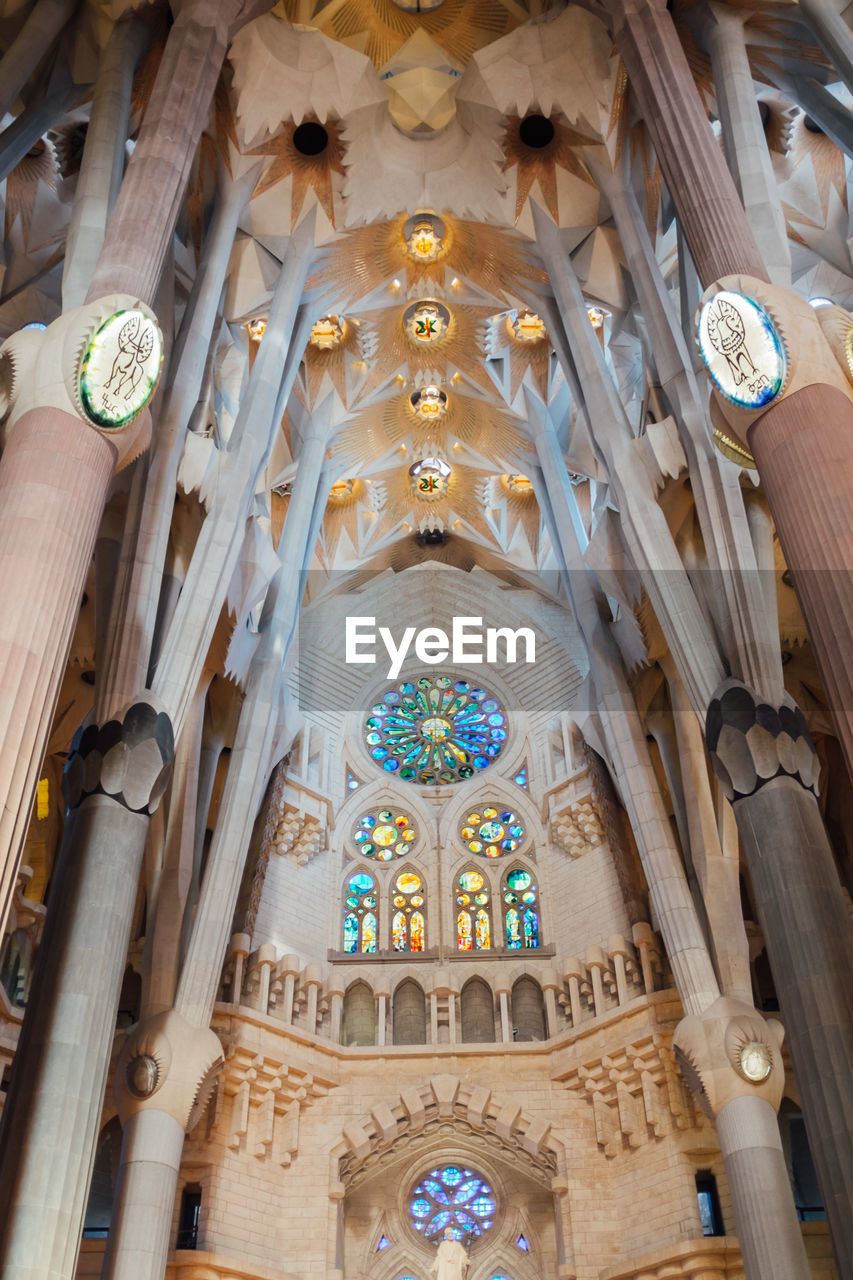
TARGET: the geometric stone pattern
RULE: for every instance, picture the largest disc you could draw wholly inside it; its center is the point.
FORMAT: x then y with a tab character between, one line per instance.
128	759
259	1100
751	742
636	1094
577	828
475	1114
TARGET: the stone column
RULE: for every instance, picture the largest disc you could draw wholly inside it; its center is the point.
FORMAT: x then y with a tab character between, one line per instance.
44	23
834	36
803	443
506	1030
143	221
768	768
102	166
732	1061
50	1121
748	158
58	467
163	1081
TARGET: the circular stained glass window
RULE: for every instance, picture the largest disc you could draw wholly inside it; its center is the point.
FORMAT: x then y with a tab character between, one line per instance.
384	835
492	832
435	730
455	1199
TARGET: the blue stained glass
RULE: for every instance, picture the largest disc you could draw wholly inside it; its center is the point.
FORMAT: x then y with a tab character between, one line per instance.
522	1243
384	1243
351	934
496	719
391	765
466	1191
531	928
360	883
469	1214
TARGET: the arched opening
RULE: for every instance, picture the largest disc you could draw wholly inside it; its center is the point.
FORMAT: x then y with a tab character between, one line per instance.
358	1025
409	1013
478	1012
99	1207
528	1010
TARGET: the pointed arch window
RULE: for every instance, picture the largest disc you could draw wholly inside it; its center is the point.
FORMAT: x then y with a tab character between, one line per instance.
361	915
473	912
408	923
520	894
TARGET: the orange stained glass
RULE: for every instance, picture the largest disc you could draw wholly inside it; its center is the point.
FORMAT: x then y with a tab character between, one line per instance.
484	933
368	932
463	930
408	883
417	931
398	931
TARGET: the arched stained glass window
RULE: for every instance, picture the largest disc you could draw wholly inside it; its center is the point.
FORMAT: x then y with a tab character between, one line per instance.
361	915
435	730
521	909
408	923
473	915
452	1198
491	832
384	835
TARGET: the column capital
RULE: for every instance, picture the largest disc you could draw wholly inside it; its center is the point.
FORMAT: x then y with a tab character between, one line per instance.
99	363
729	1051
752	742
169	1065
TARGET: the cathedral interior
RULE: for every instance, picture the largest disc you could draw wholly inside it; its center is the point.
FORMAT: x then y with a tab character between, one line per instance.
426	829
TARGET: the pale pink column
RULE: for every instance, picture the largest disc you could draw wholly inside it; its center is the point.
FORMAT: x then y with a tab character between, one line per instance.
53	482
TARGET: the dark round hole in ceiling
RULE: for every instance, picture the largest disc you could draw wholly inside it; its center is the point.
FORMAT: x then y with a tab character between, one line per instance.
536	131
310	138
812	125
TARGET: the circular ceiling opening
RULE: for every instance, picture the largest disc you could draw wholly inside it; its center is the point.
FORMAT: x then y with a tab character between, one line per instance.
536	131
310	138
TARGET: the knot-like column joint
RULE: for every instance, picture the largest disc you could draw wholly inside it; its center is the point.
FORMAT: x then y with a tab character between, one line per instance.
728	1052
166	1064
128	759
751	742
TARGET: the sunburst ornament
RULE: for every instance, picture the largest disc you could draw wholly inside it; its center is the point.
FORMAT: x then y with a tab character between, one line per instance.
425	237
426	322
429	403
328	332
526	326
536	151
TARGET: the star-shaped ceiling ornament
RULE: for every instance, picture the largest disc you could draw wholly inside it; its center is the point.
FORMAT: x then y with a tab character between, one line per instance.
539	163
307	171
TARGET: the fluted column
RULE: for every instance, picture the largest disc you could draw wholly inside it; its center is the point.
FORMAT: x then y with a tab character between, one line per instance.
53	480
102	166
743	135
768	767
154	186
50	1121
803	443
